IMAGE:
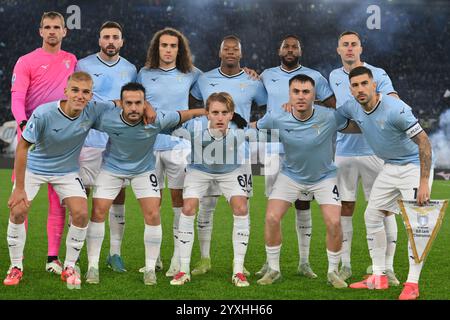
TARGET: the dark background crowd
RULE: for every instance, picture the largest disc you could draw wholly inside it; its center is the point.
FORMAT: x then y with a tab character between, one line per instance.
412	44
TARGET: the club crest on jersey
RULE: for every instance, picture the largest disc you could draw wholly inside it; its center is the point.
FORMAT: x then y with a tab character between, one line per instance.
85	125
243	86
317	127
381	123
67	63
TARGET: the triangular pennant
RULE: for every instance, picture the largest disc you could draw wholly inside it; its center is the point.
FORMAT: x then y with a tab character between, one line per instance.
422	224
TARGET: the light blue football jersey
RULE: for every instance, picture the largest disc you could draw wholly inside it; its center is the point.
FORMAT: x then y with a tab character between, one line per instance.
243	89
387	128
57	138
209	154
308	144
130	147
348	145
168	90
108	81
276	82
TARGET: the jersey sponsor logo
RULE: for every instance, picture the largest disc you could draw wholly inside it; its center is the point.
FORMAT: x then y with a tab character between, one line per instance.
154	79
57	130
403	110
44	66
213	84
98	74
117	133
288	130
275	80
338	84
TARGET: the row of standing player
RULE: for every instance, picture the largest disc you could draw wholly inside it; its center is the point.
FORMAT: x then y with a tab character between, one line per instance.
168	62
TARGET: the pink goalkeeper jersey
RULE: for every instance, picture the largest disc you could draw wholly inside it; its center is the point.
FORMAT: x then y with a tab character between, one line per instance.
39	77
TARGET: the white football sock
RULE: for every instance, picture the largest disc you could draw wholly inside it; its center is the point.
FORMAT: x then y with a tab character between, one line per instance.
176	221
333	260
303	224
186	240
376	239
241	233
205	224
116	227
74	244
390	225
414	268
347	236
16	236
273	257
152	242
94	239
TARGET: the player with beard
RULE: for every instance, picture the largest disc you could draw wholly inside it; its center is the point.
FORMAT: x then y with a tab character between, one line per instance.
276	81
109	72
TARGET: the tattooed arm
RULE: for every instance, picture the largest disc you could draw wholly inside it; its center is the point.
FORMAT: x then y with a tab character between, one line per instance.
423	194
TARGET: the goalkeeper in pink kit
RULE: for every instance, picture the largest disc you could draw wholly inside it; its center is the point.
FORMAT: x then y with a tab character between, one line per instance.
40	77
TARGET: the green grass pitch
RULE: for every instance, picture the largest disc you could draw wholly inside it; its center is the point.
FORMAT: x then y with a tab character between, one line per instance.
38	284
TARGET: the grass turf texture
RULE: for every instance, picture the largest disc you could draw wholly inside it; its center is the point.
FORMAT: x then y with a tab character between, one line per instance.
38	284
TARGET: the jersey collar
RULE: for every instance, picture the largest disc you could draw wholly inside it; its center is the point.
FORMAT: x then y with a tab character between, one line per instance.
376	106
296	69
107	63
64	114
167	70
347	73
312	114
127	123
232	76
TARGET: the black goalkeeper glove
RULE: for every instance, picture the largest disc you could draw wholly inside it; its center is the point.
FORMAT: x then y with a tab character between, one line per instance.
239	121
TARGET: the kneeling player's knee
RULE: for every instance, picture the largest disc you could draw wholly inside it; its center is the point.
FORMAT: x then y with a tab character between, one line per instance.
374	219
18	214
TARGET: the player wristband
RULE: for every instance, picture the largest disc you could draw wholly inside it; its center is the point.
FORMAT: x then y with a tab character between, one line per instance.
22	124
